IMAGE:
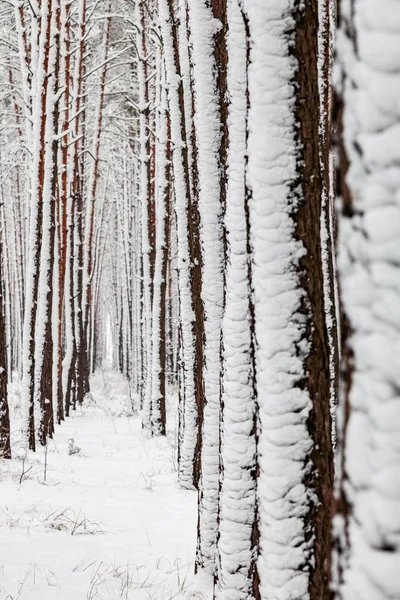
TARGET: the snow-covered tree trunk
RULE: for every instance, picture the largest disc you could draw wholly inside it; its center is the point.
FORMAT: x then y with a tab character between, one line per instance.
41	36
326	30
44	328
236	575
208	88
63	204
145	185
5	446
74	191
162	188
191	157
88	243
295	466
80	159
367	561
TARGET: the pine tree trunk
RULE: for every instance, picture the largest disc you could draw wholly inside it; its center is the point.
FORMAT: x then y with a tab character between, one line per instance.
366	525
236	577
158	414
208	58
42	36
295	461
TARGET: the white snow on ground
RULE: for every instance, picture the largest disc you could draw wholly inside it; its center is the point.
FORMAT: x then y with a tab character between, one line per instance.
106	522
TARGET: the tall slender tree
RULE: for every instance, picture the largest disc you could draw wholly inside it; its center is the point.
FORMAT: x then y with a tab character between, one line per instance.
236	576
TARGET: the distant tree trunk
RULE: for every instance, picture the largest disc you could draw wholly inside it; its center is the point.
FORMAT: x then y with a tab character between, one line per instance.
79	158
71	348
163	182
5	445
82	362
186	99
64	206
89	224
295	459
367	557
145	202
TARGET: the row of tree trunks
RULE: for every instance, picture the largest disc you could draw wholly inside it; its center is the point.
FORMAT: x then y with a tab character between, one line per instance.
55	292
269	359
145	206
224	172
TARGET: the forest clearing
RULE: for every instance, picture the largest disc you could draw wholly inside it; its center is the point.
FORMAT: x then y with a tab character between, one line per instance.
199	299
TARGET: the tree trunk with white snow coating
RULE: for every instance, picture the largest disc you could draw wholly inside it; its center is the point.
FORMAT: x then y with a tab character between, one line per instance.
162	190
367	561
292	357
5	445
236	574
40	56
203	27
145	185
44	330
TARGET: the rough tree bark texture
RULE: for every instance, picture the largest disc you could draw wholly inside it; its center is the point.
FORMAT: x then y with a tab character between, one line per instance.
292	358
367	561
186	103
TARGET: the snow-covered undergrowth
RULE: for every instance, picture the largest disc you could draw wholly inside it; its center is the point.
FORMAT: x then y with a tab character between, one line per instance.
100	515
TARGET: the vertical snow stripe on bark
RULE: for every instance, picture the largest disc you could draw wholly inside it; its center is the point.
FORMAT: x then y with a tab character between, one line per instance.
161	211
367	524
203	27
236	555
43	333
5	442
144	204
186	103
40	58
284	443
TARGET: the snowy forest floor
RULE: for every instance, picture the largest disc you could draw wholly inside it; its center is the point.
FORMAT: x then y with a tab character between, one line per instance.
106	523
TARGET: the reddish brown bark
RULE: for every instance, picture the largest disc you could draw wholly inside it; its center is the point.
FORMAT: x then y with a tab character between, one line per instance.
311	178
